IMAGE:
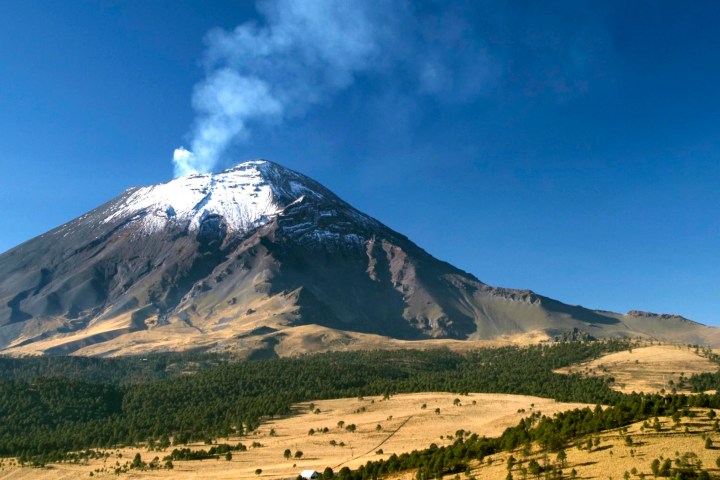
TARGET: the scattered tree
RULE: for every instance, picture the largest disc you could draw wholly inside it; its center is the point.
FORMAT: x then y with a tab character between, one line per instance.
562	458
534	468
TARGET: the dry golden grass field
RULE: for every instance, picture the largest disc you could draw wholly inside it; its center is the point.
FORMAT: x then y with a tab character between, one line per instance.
647	369
615	455
407	422
611	455
404	426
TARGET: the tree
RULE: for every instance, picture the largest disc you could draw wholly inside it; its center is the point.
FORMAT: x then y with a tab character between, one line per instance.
676	417
527	449
287	453
328	473
341	424
562	458
655	467
665	468
534	468
258	471
298	454
437	411
656	424
228	456
708	443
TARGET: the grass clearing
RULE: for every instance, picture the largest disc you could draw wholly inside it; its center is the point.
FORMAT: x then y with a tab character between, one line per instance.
647	369
614	455
404	426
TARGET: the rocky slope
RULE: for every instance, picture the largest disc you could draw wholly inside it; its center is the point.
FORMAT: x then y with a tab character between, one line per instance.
252	257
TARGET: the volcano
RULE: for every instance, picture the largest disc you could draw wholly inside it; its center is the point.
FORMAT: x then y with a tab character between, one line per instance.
262	259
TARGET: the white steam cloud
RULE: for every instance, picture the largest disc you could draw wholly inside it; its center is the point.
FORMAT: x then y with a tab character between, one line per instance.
182	159
304	52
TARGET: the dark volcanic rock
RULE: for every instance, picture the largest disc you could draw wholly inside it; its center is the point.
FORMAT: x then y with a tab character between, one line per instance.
254	245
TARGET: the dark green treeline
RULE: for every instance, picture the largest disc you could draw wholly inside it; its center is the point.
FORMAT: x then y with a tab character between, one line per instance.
53	405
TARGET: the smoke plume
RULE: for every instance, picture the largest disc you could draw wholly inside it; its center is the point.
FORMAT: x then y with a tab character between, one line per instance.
305	51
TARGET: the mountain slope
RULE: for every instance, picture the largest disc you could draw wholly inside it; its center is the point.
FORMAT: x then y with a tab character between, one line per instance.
243	258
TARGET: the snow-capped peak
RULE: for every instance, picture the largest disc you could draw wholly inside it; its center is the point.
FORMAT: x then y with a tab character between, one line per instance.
246	196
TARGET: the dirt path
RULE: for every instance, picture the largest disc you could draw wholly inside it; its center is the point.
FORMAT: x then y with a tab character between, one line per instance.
408	422
375	448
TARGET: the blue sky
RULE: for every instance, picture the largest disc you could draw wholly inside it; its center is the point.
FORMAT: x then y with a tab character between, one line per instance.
566	147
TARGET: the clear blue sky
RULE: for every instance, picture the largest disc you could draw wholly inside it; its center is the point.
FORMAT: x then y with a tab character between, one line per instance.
571	148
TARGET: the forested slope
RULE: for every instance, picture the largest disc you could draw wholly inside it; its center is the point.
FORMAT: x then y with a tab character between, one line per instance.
69	408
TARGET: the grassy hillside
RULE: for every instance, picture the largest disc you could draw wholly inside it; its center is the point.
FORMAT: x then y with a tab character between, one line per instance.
549	438
45	416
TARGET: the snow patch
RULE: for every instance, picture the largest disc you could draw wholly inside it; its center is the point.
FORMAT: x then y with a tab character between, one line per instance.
241	195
